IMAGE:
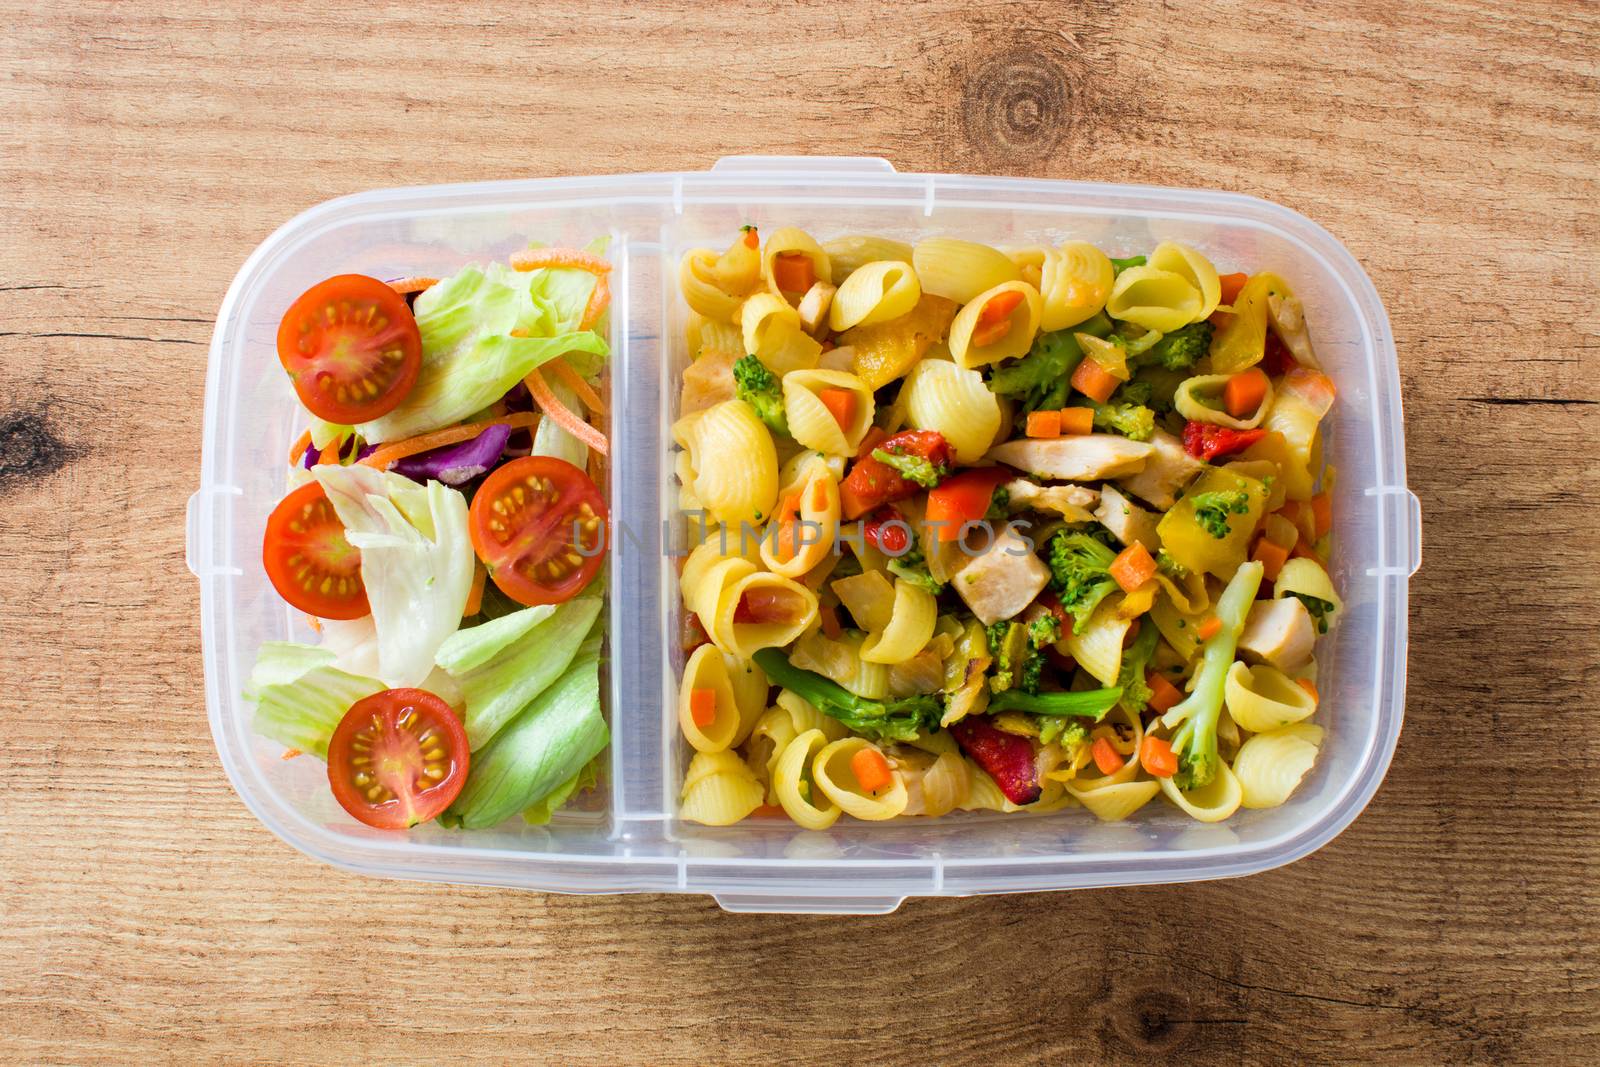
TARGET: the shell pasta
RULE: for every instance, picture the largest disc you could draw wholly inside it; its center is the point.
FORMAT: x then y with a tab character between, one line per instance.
986	531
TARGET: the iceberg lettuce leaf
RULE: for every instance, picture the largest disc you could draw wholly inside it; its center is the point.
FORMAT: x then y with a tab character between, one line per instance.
469	356
540	750
416	562
299	696
502	665
541	811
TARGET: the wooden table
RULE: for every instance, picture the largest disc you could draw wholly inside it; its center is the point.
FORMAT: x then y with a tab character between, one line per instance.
144	912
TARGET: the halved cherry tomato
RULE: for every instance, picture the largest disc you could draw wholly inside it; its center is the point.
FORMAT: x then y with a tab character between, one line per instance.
539	525
308	560
397	758
351	346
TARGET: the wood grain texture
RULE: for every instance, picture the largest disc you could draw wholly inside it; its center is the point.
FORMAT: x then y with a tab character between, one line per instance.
144	913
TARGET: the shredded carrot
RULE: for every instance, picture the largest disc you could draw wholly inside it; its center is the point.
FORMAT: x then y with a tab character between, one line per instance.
1309	686
768	811
599	300
871	769
1272	556
1163	694
427	442
574	381
1209	627
1075	422
314	622
563	417
407	286
297	450
752	237
536	258
1158	758
291	753
1106	758
703	707
331	455
1133	567
475	594
1094	381
1044	424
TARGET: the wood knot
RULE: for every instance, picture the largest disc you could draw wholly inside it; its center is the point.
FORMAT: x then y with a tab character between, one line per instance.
1015	105
29	450
1153	1020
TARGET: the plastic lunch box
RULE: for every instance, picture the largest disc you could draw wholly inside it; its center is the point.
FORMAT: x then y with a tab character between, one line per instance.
635	842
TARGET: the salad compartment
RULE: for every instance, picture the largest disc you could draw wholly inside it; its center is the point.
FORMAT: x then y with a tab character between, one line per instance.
629	838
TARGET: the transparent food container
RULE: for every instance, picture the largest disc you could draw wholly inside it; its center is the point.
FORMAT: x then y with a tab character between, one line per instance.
634	841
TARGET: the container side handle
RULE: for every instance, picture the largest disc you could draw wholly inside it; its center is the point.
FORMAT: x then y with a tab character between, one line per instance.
753	904
802	165
191	532
1401	508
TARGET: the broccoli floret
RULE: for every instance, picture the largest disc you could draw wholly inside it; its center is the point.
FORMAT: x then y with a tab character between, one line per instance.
913	567
1040	380
1018	663
1080	573
1182	348
1320	609
1120	265
924	472
1032	672
1008	642
760	388
1071	733
1138	391
1133	421
994	634
1211	510
1169	566
1135	662
1045	630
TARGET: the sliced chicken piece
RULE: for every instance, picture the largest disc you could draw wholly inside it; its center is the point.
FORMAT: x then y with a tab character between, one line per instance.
1073	459
1127	521
1168	470
1279	632
1071	502
814	307
1004	580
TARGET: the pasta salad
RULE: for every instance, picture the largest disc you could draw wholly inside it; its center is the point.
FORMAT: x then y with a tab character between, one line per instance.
972	529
